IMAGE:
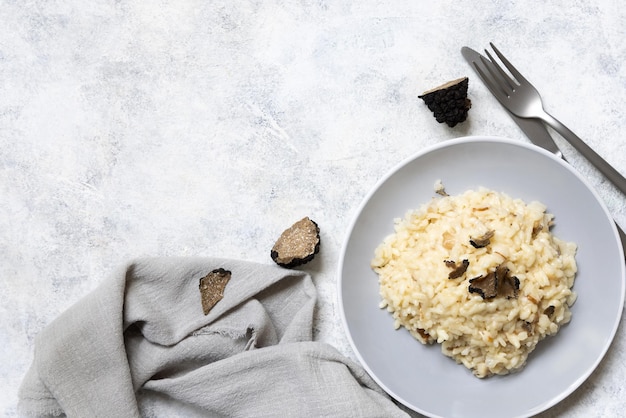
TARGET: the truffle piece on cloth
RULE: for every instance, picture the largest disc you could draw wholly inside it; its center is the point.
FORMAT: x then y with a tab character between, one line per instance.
297	245
139	346
212	288
449	102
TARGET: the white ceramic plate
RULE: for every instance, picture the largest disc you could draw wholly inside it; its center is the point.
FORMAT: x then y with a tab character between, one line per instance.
420	376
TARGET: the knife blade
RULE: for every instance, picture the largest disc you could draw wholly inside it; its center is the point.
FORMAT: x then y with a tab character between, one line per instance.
534	129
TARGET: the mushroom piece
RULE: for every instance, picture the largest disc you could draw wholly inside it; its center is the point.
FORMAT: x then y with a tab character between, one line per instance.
549	311
440	189
496	283
486	285
458	270
422	332
508	286
483	240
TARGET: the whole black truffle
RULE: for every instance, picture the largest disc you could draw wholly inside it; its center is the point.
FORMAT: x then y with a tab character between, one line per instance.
449	102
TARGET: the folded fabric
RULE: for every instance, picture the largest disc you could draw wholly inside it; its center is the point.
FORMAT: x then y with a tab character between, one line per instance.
141	341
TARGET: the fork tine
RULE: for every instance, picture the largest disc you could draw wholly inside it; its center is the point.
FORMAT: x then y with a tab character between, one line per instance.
496	80
504	76
520	78
492	85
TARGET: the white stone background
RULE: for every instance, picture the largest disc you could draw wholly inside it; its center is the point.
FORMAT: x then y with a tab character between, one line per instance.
205	128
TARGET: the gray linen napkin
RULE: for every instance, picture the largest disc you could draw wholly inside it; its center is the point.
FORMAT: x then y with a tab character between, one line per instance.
142	333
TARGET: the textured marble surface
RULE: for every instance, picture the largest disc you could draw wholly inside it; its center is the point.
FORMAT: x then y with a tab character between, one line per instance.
142	128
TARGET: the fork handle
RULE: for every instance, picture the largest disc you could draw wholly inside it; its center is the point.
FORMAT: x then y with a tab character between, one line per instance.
600	163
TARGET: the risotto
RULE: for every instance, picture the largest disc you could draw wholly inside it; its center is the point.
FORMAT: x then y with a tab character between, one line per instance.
481	274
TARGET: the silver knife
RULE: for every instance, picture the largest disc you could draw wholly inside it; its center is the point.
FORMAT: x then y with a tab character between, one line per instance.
534	129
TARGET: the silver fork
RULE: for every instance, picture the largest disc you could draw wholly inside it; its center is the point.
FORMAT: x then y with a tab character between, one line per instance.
522	99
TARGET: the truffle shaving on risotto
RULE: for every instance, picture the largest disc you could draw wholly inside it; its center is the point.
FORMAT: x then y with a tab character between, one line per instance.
479	273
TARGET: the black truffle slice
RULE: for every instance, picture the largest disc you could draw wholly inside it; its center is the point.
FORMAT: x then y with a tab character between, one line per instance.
483	240
449	102
549	311
297	245
457	270
486	286
508	286
212	288
496	283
